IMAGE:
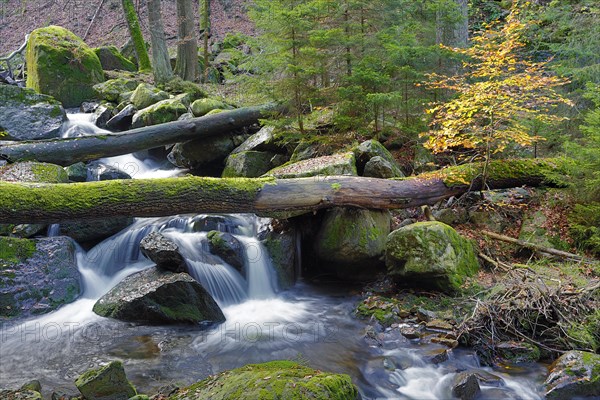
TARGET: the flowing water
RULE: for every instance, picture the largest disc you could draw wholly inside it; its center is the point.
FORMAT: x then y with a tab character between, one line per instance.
309	323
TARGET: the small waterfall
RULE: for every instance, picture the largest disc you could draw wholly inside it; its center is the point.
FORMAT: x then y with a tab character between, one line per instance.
79	124
53	230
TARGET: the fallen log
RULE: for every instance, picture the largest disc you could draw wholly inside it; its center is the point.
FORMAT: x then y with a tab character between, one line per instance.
50	203
72	150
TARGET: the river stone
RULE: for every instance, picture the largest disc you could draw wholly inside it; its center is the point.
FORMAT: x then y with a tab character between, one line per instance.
103	114
111	59
263	140
465	386
77	172
431	254
272	380
248	164
158	113
518	352
60	64
112	89
377	167
336	164
94	230
372	148
105	383
27	115
201	152
122	120
575	374
281	246
36	276
159	297
163	252
226	246
202	107
145	95
34	385
20	395
352	241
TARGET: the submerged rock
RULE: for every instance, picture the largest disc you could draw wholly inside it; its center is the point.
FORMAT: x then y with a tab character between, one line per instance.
105	383
159	297
431	254
337	164
576	374
27	115
60	64
36	276
226	246
272	380
163	252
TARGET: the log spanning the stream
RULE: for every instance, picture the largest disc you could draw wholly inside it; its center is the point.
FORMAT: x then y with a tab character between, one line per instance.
52	203
72	150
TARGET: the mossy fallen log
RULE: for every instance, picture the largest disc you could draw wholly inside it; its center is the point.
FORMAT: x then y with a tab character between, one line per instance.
49	203
72	150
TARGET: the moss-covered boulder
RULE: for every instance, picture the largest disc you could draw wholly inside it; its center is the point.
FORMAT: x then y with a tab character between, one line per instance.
336	164
198	153
202	107
27	115
430	254
33	172
272	380
111	59
61	65
576	374
377	167
352	241
248	164
281	247
105	383
517	352
36	276
159	297
145	95
372	148
263	140
159	113
226	246
20	395
112	89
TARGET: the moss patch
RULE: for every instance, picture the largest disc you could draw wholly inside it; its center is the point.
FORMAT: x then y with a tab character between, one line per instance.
14	250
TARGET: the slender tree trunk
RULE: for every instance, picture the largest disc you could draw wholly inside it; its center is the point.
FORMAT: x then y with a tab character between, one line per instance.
136	36
160	53
187	47
204	34
452	26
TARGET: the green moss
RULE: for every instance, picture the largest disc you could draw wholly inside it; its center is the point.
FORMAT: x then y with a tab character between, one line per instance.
114	59
14	250
179	86
336	186
49	173
136	36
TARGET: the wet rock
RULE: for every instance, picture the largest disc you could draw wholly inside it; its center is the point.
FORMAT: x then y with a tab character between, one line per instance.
411	332
272	380
65	394
226	246
281	246
351	242
430	254
70	82
35	172
88	107
488	379
336	164
263	140
77	172
451	343
103	114
424	315
20	395
439	325
122	120
94	230
112	89
197	153
451	216
105	383
145	95
465	386
103	172
248	164
207	223
27	230
34	385
576	374
159	297
111	59
158	113
518	352
369	149
163	252
438	356
27	115
36	276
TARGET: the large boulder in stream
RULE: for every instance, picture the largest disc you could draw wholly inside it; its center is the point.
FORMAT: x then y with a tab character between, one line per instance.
248	164
36	276
430	254
61	65
576	374
27	115
163	252
272	380
226	246
105	383
155	296
352	241
198	153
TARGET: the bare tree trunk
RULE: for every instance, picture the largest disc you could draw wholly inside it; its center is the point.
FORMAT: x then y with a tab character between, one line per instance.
187	47
160	53
452	26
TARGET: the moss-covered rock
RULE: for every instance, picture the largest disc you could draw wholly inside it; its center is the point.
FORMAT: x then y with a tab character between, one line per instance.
112	89
204	106
336	164
226	246
110	58
159	297
201	152
20	395
178	86
372	148
105	383
281	246
145	95
517	352
352	241
430	254
60	64
33	172
27	115
576	374
273	380
248	164
159	113
36	276
377	167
